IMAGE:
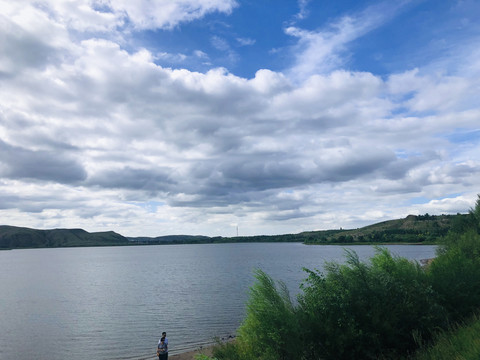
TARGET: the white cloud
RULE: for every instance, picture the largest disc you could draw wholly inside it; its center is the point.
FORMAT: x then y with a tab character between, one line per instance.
303	11
246	41
173	58
200	54
147	14
321	51
192	140
433	92
454	205
220	43
102	16
91	135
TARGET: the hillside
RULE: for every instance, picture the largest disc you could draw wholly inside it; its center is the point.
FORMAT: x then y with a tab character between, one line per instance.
412	229
12	237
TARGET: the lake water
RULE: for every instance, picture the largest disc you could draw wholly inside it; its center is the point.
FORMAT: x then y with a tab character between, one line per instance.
114	302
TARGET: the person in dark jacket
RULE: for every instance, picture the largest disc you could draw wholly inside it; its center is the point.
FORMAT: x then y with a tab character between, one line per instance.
162	347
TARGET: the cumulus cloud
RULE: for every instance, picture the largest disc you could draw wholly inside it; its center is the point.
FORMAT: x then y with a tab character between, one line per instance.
96	135
423	92
146	14
21	163
106	15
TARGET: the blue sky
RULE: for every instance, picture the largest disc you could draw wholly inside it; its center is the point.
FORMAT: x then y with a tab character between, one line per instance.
253	36
197	116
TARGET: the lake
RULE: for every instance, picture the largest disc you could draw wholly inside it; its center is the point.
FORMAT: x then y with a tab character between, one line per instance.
114	302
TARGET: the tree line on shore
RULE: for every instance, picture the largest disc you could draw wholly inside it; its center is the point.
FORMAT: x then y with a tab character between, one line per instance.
387	308
412	229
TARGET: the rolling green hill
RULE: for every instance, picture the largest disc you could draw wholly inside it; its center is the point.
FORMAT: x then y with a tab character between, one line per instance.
12	237
412	229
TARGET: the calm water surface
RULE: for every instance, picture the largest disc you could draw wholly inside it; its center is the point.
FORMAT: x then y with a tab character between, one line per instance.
113	302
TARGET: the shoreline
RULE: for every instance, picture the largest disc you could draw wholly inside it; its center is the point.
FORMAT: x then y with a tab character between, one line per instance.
190	355
204	350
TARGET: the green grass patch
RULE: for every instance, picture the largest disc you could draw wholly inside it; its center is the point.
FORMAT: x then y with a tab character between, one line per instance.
462	343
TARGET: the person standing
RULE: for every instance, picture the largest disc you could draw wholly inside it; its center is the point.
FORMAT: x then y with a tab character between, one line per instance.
162	347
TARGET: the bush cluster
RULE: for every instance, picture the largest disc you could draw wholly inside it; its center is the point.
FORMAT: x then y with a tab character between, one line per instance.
360	311
384	309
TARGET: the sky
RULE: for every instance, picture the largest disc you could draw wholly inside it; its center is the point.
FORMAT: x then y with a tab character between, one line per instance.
202	117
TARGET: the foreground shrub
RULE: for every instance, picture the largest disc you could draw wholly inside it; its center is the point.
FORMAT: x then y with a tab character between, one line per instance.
384	309
455	275
361	311
270	330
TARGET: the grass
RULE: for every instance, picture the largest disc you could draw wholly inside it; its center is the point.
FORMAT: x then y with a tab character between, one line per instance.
462	343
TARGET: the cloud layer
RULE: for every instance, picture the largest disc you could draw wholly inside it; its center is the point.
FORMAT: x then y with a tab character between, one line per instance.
96	135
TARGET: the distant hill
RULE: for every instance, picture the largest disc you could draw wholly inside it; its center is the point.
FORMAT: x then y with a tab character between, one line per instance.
412	229
172	239
12	237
